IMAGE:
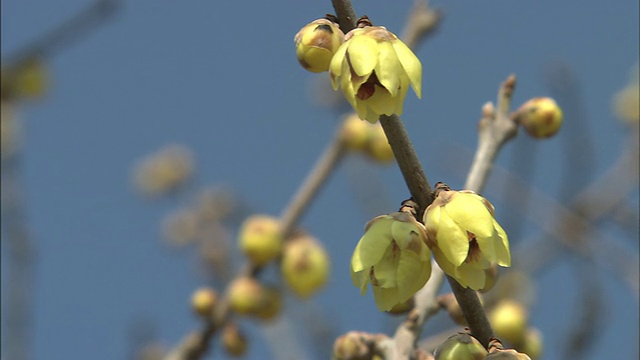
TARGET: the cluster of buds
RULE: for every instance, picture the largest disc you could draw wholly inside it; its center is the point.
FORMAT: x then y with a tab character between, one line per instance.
366	138
370	64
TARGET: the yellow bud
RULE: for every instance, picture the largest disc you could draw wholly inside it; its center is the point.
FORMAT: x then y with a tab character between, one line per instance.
203	301
261	238
460	346
533	343
164	171
305	266
349	346
10	129
246	295
541	117
233	341
181	227
271	304
509	321
378	147
354	132
316	43
626	104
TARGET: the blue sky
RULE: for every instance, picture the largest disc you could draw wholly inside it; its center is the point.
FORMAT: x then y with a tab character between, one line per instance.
222	79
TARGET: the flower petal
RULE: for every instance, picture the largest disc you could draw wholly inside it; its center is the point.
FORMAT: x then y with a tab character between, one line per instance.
385	270
413	272
381	102
444	263
362	54
385	298
502	247
452	239
487	246
471	214
389	70
361	280
474	278
338	62
372	245
411	65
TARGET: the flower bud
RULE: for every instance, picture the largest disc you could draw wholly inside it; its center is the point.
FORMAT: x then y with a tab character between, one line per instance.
626	104
316	43
261	238
461	346
378	147
305	266
354	132
533	343
203	301
233	341
541	117
509	321
271	304
164	171
246	295
350	346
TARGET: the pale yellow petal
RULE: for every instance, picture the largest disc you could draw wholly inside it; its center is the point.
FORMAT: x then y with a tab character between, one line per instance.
389	70
381	102
444	263
411	65
371	247
361	280
338	61
502	247
474	278
470	214
487	246
402	94
385	270
362	53
452	240
385	298
413	272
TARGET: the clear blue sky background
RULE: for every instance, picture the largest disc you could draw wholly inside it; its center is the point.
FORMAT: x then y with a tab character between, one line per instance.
221	77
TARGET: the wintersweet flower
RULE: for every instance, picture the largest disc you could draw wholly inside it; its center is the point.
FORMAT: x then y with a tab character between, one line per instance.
374	70
393	256
464	236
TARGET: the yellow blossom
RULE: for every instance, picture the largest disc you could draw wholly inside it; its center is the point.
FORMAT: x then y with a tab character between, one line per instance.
392	255
374	70
316	43
464	236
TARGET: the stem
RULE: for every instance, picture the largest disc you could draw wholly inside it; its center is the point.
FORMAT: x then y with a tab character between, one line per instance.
345	13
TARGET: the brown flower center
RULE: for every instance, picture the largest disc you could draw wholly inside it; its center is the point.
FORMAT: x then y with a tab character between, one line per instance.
474	253
367	89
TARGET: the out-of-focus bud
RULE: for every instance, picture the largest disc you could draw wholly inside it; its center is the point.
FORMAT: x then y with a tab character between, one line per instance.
271	305
626	104
233	341
541	117
316	43
151	351
403	307
180	227
203	301
460	346
491	276
533	343
350	347
28	79
10	134
448	302
261	238
509	321
354	132
246	295
378	147
164	171
305	265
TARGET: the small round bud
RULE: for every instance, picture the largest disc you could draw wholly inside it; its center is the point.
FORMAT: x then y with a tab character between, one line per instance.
164	171
305	265
350	347
316	43
261	238
354	132
271	305
378	147
460	346
533	343
203	301
233	341
626	104
246	295
509	321
541	117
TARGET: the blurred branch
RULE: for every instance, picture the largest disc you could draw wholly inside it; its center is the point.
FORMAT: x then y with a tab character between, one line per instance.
66	33
195	345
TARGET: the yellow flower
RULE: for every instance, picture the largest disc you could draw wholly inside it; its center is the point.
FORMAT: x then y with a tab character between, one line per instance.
316	43
374	70
393	256
464	236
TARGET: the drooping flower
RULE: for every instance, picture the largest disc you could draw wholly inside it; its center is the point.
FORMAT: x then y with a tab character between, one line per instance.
464	236
374	70
393	256
316	43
